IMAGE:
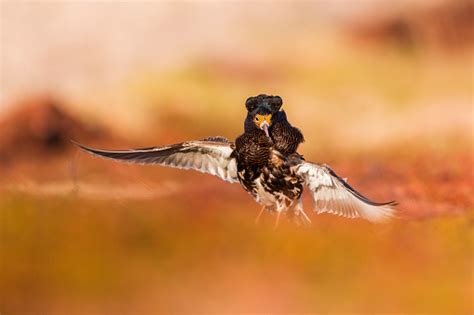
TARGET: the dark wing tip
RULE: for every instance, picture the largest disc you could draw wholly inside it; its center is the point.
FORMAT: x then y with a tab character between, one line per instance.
80	146
83	147
392	203
99	152
357	194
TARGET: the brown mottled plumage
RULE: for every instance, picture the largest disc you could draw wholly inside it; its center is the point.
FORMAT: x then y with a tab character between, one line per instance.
265	162
253	148
286	138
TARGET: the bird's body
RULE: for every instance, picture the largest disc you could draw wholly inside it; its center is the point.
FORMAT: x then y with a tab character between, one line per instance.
265	162
262	169
275	184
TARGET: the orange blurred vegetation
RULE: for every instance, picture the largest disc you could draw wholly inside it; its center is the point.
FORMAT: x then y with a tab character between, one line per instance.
79	235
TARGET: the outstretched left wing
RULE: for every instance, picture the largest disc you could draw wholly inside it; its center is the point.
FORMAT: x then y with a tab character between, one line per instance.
212	156
334	195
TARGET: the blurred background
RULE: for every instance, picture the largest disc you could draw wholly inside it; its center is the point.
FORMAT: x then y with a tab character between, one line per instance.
383	92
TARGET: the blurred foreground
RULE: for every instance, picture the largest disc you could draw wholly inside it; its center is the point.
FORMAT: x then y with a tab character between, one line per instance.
69	254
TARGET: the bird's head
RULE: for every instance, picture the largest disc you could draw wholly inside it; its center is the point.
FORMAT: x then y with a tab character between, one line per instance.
263	120
261	108
263	101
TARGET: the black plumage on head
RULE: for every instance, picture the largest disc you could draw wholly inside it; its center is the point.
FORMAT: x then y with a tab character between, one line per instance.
249	125
285	137
269	102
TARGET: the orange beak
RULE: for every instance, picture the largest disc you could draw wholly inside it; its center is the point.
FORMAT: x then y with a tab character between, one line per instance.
263	122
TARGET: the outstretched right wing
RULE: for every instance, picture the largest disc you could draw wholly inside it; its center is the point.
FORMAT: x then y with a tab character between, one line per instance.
212	156
334	195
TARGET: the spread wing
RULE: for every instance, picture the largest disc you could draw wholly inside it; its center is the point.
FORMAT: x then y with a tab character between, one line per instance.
334	195
212	156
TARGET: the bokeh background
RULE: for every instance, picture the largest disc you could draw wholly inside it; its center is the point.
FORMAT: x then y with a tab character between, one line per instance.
383	92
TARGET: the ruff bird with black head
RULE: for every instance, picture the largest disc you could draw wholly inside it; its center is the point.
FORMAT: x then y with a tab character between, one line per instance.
264	161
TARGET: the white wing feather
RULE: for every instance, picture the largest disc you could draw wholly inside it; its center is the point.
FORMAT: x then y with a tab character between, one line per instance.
333	194
207	156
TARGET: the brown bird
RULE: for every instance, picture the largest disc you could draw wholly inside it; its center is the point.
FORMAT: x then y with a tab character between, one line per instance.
265	162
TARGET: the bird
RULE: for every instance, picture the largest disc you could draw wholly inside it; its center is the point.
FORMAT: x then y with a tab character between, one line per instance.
274	178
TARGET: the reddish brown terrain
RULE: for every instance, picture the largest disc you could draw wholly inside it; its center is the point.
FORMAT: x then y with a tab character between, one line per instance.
383	93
